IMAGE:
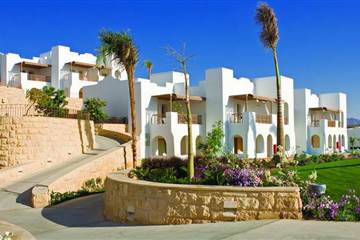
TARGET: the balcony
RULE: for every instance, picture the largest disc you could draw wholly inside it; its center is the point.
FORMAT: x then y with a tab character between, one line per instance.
331	123
39	77
159	119
263	118
236	118
195	119
325	123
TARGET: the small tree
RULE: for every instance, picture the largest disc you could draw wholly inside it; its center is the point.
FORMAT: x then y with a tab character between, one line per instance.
183	60
353	141
95	107
214	142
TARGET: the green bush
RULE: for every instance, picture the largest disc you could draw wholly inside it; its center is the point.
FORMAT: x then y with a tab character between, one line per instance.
95	107
91	186
214	142
49	101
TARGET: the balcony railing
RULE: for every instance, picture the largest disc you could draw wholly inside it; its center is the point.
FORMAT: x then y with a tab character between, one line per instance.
315	123
263	118
158	119
38	77
195	119
236	117
331	123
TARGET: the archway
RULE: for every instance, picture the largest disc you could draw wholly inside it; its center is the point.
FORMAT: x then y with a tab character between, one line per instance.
286	113
270	151
287	143
159	146
260	144
183	145
330	145
238	145
81	93
334	142
315	141
343	140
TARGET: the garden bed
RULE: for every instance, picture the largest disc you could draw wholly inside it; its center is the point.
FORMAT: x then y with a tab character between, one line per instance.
132	201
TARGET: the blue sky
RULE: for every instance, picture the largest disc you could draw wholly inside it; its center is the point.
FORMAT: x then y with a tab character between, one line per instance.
318	47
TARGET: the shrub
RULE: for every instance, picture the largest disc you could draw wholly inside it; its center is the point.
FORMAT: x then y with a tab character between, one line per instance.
95	107
49	101
214	142
89	187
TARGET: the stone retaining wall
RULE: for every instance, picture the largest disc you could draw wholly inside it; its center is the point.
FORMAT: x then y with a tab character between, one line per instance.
98	166
43	139
140	202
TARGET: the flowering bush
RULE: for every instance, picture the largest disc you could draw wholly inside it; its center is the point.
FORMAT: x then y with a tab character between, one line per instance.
324	208
246	177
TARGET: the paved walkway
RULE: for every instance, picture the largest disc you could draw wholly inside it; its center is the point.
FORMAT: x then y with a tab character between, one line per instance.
83	219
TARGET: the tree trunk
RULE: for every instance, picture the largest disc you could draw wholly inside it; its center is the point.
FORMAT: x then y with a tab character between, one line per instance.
131	78
280	117
189	127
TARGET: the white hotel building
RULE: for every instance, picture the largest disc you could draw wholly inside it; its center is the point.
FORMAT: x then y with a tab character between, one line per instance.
247	108
59	67
313	123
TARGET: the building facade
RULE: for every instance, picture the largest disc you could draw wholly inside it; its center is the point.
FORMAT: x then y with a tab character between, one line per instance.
320	122
59	67
247	108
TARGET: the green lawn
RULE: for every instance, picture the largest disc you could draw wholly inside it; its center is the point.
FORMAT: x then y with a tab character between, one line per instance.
338	176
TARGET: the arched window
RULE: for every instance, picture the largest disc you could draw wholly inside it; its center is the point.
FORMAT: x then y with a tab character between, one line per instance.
159	146
287	143
330	142
343	140
270	147
315	141
260	144
334	142
183	145
238	145
286	113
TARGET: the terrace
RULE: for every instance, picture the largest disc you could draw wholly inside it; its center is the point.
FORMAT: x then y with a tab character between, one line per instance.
262	107
330	117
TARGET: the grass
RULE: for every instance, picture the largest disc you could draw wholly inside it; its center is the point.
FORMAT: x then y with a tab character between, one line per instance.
338	176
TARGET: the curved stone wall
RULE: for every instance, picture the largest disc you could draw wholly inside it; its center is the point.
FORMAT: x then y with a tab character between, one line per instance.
141	202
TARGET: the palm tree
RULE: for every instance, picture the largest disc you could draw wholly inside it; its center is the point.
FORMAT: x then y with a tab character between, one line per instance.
149	65
269	36
120	47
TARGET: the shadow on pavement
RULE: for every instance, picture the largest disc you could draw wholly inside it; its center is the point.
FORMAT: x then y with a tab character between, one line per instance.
82	212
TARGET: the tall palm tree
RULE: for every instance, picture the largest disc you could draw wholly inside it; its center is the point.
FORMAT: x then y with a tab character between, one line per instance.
269	36
149	65
120	47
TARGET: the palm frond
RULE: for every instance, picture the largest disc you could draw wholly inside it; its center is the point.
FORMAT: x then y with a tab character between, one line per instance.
265	16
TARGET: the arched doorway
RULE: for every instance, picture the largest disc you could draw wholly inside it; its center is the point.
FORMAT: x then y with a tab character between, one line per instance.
260	144
334	143
270	151
183	145
159	146
81	93
238	145
315	142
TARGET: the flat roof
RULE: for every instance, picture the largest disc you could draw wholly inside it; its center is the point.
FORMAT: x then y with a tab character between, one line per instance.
324	109
81	64
252	97
33	64
176	97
